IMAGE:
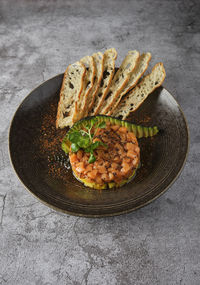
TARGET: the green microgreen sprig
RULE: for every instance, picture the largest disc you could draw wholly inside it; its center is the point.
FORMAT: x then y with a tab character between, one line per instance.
83	139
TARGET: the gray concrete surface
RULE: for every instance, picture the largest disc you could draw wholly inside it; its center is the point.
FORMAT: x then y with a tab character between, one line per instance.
158	244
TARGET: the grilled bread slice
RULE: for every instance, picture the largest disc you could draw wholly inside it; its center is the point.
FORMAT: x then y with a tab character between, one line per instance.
98	62
120	80
137	96
140	69
71	89
81	103
110	56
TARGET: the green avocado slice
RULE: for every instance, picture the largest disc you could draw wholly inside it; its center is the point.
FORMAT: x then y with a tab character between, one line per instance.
139	131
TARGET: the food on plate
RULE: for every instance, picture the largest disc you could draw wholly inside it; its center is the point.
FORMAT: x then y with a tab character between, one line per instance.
99	64
104	151
136	97
72	86
120	80
80	104
140	69
110	56
91	86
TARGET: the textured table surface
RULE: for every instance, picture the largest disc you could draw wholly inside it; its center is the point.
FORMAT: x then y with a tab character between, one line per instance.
158	244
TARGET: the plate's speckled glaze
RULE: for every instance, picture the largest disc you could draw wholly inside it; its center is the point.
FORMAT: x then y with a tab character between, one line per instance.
43	168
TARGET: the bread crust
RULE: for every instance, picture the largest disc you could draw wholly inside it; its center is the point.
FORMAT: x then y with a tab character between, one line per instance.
157	86
81	103
99	104
117	112
61	90
98	83
61	93
121	94
132	56
93	67
79	92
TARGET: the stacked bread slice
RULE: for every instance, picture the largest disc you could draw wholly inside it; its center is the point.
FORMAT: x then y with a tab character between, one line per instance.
110	56
91	86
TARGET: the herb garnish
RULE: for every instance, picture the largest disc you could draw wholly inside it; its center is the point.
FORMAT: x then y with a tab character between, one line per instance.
84	139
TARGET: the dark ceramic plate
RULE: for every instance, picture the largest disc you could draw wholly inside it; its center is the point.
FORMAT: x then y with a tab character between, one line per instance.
43	168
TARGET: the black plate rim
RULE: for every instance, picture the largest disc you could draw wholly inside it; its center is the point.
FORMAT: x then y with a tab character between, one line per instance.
107	214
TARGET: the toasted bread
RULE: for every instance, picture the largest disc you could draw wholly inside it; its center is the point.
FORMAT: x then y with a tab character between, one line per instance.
81	103
140	69
120	80
137	96
110	56
98	61
71	89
